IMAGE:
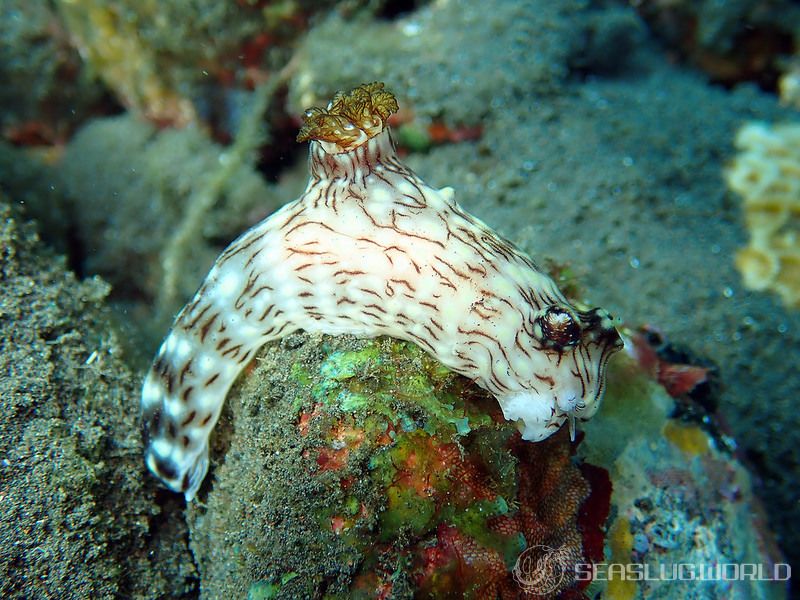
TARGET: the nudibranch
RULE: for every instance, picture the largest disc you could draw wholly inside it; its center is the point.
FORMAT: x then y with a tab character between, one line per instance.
370	249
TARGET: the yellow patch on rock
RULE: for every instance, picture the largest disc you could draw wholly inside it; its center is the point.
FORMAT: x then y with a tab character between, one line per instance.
766	174
689	438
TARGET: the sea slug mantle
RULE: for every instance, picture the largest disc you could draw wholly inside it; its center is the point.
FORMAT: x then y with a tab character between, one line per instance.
370	249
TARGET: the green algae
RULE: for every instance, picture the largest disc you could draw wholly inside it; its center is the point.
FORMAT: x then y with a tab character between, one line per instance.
369	378
473	521
346	463
300	375
406	513
414	137
414	505
268	590
425	416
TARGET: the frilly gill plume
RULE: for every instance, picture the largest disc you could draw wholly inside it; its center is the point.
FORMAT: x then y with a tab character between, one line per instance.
350	118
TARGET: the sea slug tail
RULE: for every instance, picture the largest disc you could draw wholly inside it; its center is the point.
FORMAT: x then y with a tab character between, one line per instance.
178	412
183	393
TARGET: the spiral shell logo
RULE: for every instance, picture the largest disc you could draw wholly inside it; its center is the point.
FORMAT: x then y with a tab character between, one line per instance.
542	570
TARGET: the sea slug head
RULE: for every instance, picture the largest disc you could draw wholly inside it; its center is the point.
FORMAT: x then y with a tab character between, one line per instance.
350	119
570	382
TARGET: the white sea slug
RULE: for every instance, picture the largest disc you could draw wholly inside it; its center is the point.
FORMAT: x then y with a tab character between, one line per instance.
370	249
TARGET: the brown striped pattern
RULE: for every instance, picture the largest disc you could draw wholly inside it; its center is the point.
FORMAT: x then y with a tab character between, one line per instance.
370	249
